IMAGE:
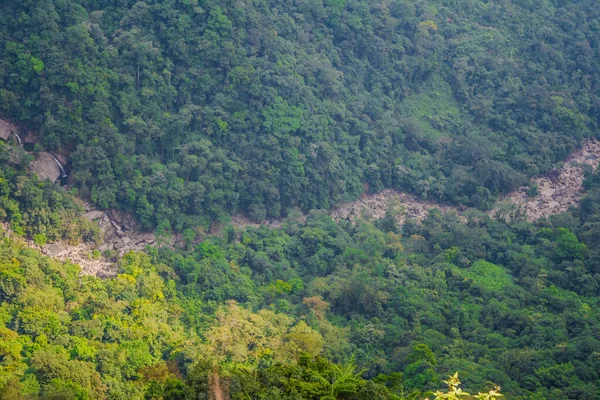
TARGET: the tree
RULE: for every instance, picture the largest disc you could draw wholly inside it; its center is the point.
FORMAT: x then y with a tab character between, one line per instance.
455	392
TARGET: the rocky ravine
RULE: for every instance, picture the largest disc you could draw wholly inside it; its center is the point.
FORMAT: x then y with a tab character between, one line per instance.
557	191
118	237
118	232
375	206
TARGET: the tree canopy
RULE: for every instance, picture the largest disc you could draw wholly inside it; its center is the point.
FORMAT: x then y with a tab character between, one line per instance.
189	111
185	112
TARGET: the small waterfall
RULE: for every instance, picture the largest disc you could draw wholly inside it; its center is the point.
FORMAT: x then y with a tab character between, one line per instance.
62	170
18	139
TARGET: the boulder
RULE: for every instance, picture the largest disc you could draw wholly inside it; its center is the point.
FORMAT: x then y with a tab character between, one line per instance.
29	137
55	249
45	167
554	174
6	128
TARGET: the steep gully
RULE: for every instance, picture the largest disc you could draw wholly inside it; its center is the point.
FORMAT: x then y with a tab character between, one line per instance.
119	233
557	191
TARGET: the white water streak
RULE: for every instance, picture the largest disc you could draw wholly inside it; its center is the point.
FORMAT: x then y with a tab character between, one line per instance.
18	139
62	170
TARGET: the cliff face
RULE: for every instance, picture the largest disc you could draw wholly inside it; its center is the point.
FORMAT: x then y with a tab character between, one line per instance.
5	129
45	167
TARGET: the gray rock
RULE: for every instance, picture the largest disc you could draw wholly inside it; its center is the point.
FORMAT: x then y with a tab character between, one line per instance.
45	167
6	128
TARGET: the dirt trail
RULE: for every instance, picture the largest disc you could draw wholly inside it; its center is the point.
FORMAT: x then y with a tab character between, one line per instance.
217	391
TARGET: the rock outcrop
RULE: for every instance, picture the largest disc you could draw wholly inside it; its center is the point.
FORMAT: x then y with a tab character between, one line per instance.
45	167
375	206
81	255
117	239
557	191
119	232
6	128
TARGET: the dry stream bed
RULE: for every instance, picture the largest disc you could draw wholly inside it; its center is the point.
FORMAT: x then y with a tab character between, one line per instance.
557	191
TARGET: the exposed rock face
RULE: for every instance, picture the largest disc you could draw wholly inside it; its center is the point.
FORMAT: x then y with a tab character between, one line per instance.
114	238
375	206
120	237
6	128
81	255
45	167
557	191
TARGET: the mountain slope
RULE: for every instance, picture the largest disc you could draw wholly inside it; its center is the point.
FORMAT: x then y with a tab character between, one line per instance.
186	111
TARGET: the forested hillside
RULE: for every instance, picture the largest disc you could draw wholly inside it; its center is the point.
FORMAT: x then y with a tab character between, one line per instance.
316	310
187	111
182	113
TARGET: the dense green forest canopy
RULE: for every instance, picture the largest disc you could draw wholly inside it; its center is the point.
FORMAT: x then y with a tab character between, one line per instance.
184	112
188	110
